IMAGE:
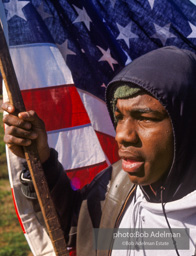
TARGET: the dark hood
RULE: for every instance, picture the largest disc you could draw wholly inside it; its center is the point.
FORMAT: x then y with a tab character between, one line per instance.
169	74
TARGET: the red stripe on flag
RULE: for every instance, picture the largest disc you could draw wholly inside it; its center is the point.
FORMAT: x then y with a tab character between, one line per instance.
17	213
82	176
59	106
109	146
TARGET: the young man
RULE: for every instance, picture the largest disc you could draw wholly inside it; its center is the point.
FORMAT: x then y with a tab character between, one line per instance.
151	103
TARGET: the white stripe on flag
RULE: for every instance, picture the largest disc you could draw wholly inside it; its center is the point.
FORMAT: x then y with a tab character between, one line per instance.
37	237
40	65
98	113
77	147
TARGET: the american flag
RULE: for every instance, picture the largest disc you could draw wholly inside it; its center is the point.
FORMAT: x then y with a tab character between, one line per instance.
66	51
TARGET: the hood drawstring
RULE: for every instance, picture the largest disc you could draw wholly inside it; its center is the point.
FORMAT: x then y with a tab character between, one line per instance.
165	215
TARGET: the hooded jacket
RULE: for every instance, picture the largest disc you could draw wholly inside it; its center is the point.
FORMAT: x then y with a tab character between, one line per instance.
111	201
169	74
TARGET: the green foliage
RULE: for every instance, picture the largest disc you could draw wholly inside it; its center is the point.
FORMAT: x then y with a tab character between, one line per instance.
15	244
3	194
2	145
12	240
3	171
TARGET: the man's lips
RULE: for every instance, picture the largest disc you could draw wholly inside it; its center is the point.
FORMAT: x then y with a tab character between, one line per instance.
131	160
132	165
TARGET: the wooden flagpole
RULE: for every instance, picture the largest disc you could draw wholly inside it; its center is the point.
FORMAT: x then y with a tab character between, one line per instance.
35	167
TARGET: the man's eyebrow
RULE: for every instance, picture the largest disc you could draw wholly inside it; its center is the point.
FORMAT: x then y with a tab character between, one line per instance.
148	110
144	110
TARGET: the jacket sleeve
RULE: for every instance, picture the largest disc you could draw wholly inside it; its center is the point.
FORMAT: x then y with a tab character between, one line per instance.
67	201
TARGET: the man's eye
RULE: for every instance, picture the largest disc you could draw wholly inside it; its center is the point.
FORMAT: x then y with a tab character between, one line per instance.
147	119
143	118
118	117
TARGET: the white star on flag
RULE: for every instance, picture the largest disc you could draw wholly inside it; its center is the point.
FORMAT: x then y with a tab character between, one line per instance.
163	33
151	2
42	13
82	17
63	48
15	7
107	57
193	33
193	1
125	33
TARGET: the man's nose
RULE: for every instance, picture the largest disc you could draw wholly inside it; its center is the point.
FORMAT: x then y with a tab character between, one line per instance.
126	134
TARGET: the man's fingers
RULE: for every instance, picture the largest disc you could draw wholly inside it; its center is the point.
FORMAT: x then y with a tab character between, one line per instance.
15	121
12	140
22	129
32	117
8	107
18	132
24	119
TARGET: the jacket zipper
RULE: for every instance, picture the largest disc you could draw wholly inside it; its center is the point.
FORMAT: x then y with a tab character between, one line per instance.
121	212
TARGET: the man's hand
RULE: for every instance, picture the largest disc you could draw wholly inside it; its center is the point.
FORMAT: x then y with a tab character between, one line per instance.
22	129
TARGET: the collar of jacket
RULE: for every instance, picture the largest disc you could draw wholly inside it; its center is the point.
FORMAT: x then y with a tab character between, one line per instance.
120	187
101	207
117	198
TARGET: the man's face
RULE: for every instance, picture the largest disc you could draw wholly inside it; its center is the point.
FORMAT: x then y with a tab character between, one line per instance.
145	138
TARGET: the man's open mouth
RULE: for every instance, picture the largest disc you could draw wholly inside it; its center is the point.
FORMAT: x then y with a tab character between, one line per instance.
131	165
